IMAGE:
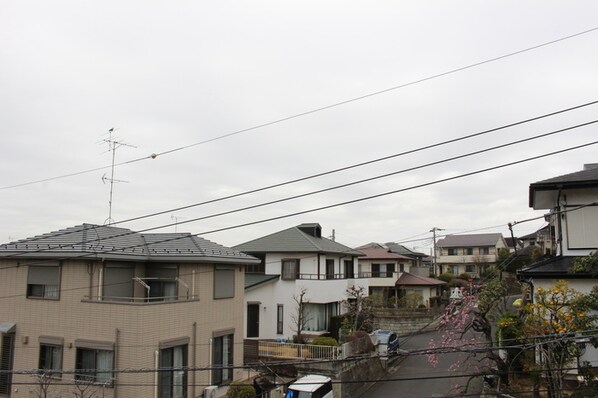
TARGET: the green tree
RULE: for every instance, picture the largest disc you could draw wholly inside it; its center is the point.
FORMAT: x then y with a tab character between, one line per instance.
559	317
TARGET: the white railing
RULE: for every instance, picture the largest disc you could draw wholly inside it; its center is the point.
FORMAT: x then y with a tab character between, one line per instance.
297	351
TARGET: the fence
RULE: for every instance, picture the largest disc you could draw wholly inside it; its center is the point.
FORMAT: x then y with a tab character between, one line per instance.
297	351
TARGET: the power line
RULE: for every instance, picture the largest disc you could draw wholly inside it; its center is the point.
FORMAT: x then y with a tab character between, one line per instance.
338	204
365	163
358	165
316	110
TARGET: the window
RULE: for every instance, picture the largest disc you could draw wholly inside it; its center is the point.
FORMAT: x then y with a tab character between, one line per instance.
349	272
375	270
118	282
485	250
452	251
290	269
469	251
94	364
257	268
279	318
43	282
382	270
172	381
470	268
389	271
50	355
162	282
329	269
222	358
224	281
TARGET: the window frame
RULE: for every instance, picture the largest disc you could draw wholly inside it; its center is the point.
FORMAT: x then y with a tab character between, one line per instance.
452	251
224	274
46	294
96	348
168	371
279	318
54	370
288	274
226	367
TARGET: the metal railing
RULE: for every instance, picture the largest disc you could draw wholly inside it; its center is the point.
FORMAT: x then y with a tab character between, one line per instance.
297	351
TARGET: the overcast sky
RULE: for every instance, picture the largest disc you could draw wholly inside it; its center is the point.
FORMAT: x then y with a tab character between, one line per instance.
168	75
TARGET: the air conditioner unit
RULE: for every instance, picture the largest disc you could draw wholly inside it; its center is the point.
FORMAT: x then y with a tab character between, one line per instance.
210	392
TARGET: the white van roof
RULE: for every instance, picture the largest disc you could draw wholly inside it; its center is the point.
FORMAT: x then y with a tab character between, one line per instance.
309	383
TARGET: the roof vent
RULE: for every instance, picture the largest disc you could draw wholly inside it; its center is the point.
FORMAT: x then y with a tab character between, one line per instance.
590	166
314	229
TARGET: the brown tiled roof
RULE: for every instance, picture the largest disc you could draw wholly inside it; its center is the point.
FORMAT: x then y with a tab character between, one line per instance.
407	279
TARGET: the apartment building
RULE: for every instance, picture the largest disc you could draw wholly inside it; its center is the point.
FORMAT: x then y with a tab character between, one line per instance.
469	253
99	308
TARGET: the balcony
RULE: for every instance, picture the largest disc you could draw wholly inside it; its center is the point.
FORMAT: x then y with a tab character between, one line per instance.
148	290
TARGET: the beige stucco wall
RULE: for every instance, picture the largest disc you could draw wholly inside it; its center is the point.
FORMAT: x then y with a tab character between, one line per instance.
135	329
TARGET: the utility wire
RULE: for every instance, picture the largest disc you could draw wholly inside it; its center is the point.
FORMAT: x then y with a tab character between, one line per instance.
338	204
316	110
352	166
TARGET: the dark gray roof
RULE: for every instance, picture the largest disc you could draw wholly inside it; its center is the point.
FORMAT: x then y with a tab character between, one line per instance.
587	178
471	240
294	240
107	242
403	250
253	280
554	267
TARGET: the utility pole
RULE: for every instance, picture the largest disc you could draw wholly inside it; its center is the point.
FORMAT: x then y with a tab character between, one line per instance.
433	230
113	145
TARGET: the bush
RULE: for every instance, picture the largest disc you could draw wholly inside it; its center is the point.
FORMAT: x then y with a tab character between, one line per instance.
321	340
446	277
240	389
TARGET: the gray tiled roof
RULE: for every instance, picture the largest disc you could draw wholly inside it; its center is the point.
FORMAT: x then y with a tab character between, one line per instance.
253	280
108	242
294	240
471	240
405	251
587	177
554	267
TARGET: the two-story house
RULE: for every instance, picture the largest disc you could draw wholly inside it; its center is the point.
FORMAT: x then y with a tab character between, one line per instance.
572	204
294	260
382	268
468	253
103	308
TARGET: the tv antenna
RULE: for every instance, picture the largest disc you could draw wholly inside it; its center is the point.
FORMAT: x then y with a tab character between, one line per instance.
113	145
176	221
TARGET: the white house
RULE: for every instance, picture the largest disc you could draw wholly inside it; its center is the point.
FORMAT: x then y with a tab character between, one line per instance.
572	202
294	260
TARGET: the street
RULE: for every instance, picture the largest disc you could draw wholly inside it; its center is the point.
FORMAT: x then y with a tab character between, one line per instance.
414	377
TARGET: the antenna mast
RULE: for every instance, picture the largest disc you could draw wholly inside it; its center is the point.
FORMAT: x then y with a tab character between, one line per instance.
113	145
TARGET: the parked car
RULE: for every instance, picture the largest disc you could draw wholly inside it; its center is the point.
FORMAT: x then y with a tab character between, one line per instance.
311	386
386	340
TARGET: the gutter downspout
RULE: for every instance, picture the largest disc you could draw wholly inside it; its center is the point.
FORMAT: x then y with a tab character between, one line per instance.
156	365
193	358
559	222
116	336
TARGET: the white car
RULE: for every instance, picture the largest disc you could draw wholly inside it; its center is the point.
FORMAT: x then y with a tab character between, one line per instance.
311	386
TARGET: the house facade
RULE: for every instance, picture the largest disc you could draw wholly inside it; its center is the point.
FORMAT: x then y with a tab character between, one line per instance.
572	204
293	261
101	308
380	268
468	254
